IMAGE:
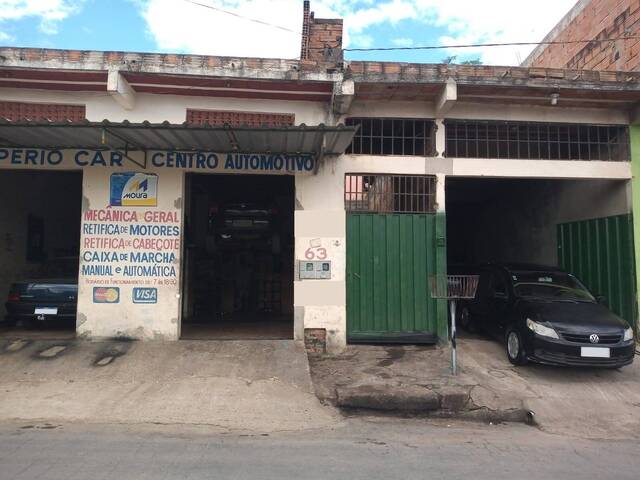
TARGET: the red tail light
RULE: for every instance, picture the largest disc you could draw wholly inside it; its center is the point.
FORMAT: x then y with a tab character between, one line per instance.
13	297
273	211
213	210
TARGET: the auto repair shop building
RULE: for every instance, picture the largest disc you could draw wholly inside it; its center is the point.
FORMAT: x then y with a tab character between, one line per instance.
264	198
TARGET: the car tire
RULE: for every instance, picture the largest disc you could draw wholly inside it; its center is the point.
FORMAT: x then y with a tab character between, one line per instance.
515	348
466	322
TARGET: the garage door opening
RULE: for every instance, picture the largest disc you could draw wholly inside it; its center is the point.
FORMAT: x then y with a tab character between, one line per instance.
40	214
582	226
238	259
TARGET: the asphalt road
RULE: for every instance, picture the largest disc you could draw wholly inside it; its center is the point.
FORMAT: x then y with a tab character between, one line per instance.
357	449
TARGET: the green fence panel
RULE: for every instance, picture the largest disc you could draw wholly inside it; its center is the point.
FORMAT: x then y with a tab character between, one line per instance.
389	260
600	252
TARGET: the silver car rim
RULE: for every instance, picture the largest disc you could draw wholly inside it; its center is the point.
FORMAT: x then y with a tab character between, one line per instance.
513	345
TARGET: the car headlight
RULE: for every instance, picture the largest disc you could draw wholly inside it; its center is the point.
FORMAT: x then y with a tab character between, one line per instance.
541	330
628	334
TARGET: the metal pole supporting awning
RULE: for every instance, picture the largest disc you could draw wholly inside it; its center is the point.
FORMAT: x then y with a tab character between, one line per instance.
126	137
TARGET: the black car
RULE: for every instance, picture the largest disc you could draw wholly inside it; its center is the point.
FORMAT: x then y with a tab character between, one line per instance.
545	315
244	224
50	298
33	302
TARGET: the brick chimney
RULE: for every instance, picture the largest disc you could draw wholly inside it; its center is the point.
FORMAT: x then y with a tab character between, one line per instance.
321	38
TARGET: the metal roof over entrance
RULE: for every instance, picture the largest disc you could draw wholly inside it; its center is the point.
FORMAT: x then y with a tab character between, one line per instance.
126	136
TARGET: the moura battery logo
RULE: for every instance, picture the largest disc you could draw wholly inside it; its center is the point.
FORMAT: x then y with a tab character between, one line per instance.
134	190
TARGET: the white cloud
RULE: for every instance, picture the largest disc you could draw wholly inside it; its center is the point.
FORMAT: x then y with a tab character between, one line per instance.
50	12
402	42
496	21
183	26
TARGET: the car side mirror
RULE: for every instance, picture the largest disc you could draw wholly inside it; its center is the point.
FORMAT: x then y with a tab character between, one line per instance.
602	300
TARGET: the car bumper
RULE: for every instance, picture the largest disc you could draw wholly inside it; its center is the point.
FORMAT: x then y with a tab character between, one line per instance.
26	312
551	352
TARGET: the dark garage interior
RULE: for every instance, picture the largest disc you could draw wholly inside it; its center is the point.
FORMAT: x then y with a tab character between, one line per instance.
238	281
582	226
40	217
516	220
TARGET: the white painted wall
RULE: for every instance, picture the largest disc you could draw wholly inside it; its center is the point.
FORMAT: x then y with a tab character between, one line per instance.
171	108
157	321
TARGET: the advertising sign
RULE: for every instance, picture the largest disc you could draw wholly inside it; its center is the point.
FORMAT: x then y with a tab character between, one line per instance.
132	189
145	295
106	294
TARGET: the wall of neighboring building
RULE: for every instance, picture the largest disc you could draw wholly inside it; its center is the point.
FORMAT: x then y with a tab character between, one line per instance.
594	20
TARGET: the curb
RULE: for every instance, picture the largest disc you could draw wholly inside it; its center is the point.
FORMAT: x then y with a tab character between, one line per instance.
445	402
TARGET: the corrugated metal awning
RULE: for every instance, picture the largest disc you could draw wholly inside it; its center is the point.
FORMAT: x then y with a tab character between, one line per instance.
127	136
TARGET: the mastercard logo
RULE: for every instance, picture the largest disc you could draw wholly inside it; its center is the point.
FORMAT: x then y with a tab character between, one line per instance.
106	295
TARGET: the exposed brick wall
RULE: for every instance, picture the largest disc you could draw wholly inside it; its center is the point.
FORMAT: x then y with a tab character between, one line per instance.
315	340
17	111
599	19
321	38
251	119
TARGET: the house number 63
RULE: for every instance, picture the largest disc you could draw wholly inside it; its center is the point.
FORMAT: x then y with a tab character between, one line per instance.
312	253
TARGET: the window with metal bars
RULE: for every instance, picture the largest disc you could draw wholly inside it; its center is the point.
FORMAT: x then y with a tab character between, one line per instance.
393	136
536	141
390	193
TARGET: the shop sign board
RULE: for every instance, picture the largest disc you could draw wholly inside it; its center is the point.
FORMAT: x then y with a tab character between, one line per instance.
193	161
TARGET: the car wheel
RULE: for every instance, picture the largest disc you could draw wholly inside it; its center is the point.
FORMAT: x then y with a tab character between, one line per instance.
466	322
515	348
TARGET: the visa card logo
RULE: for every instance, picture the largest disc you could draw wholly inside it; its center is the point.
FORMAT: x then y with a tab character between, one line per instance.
106	294
145	295
134	190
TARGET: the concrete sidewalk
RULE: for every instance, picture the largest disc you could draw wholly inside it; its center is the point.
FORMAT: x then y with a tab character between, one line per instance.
256	386
591	403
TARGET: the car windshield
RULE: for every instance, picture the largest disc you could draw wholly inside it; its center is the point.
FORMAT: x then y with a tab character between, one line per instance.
550	286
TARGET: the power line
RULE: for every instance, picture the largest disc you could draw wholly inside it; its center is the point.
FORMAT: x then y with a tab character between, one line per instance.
234	14
483	45
424	47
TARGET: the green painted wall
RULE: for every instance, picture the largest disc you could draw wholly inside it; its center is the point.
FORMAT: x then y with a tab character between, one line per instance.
600	252
634	134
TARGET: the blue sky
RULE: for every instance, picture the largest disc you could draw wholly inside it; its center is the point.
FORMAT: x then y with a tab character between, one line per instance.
181	26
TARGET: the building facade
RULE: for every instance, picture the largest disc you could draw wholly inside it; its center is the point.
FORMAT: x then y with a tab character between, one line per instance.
312	197
613	26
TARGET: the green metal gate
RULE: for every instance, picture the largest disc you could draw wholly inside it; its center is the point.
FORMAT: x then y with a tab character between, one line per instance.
389	260
600	253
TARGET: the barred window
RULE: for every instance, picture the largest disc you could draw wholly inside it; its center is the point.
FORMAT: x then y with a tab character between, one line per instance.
393	136
536	141
390	193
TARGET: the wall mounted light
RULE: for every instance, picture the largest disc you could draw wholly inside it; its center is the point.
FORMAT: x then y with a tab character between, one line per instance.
554	99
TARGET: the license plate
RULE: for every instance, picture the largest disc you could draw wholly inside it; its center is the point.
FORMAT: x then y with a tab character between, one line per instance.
595	352
242	223
46	311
